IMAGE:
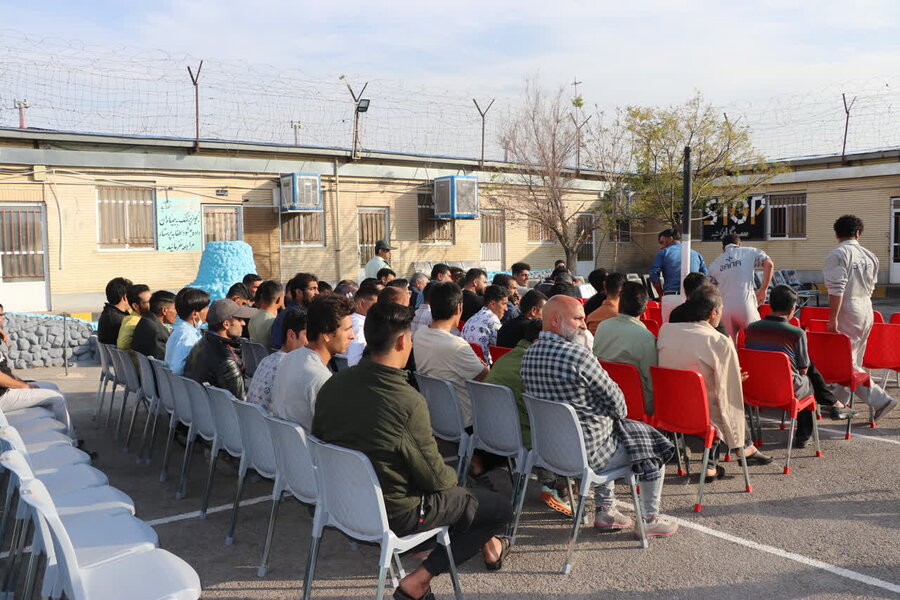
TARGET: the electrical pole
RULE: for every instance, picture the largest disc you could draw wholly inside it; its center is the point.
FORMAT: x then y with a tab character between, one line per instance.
846	123
21	105
686	214
482	113
354	152
578	141
195	79
297	126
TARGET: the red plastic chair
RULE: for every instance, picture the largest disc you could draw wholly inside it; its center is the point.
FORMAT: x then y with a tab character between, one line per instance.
461	325
583	301
764	309
817	325
812	312
832	355
652	326
478	351
628	378
879	318
652	304
794	321
895	318
653	313
883	350
771	384
682	408
497	351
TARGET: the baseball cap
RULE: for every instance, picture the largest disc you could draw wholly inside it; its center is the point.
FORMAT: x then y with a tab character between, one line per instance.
382	245
224	309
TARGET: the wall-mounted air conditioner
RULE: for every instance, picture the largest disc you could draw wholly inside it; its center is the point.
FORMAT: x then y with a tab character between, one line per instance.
456	197
300	192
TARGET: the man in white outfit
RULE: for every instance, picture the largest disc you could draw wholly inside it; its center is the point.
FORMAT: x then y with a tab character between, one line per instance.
850	275
733	273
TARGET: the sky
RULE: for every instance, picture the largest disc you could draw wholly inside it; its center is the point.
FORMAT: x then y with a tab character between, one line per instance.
653	52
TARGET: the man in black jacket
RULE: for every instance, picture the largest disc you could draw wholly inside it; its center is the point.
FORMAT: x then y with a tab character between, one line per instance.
115	309
216	358
151	333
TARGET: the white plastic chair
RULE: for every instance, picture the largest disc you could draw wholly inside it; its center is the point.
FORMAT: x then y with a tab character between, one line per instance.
446	415
557	444
30	427
147	397
259	453
49	458
228	435
128	378
202	424
252	353
165	406
153	574
107	376
295	474
350	499
496	429
181	413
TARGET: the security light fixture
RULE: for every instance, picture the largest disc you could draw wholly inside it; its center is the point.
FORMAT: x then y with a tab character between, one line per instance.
362	105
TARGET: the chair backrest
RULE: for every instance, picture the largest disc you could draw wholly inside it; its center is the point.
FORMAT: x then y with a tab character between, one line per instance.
478	351
118	371
228	429
252	354
832	355
895	318
741	338
443	407
497	351
653	304
105	360
181	398
654	313
679	401
349	491
628	378
131	380
652	325
495	418
201	414
255	438
163	383
883	347
770	381
819	325
794	321
15	461
11	440
556	437
812	312
764	309
293	459
879	318
148	380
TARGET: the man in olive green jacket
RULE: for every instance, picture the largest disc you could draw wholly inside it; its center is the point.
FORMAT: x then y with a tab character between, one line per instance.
372	408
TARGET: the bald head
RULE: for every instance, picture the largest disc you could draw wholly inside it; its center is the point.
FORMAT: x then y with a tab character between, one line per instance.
563	315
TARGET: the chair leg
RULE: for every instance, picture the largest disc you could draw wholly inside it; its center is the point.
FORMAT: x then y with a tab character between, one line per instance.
152	439
742	452
816	437
152	415
384	565
454	574
678	461
872	423
270	531
759	433
790	445
517	512
121	413
311	556
213	458
576	525
512	471
229	539
848	435
7	511
638	512
181	491
699	505
31	574
687	459
164	474
112	401
101	392
401	572
137	405
783	419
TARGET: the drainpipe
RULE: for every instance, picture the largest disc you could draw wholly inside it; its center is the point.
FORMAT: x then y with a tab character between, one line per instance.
336	220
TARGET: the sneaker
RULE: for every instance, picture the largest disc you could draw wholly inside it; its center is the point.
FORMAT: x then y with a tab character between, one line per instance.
885	409
800	444
551	498
757	459
842	413
658	526
611	520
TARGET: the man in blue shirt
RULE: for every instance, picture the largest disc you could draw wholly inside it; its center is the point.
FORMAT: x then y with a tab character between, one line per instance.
668	263
191	305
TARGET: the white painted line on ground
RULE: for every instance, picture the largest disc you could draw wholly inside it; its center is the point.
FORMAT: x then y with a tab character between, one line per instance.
842	431
195	514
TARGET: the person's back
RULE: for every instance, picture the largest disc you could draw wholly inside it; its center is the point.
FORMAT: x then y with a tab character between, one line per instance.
734	273
150	337
115	309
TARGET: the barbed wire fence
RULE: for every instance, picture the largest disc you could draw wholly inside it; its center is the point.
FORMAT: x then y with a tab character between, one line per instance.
72	86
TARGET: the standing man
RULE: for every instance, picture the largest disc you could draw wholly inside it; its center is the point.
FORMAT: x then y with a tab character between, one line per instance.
668	264
850	275
380	260
733	271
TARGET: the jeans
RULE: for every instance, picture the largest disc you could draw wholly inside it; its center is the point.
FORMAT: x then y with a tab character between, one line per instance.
474	517
651	491
47	396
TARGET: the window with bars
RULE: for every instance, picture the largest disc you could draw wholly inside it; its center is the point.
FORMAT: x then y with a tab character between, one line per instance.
787	216
622	233
303	228
586	231
127	217
539	232
21	244
373	226
432	230
222	223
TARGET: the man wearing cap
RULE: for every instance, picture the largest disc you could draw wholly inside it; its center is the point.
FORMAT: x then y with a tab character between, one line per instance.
380	260
216	358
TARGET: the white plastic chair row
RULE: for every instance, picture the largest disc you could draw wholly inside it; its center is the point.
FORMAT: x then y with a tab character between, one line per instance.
446	416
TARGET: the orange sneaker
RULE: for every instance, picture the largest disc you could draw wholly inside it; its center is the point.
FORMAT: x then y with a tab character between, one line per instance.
551	498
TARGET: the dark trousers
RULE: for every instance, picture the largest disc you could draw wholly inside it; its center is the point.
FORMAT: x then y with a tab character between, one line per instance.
824	397
474	516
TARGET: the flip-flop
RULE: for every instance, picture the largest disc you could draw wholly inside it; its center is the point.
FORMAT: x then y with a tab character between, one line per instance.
401	595
720	473
505	545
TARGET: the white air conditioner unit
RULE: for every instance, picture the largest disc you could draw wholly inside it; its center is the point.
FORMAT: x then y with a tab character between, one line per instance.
300	192
456	197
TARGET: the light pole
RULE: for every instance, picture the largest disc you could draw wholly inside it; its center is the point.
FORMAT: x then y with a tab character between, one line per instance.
361	105
297	126
21	105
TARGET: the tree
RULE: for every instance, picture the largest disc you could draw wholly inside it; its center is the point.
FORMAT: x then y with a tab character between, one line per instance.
725	164
541	142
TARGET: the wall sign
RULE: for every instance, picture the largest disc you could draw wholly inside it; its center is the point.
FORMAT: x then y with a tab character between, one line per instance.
178	224
746	218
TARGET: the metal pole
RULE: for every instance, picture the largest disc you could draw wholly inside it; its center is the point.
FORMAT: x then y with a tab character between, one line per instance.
195	79
65	343
21	105
353	153
846	123
686	215
483	113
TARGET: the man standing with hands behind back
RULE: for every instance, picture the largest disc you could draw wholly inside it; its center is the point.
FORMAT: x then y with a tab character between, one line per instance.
733	272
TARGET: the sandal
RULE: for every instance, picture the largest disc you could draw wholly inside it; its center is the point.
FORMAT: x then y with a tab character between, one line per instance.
401	595
720	473
505	545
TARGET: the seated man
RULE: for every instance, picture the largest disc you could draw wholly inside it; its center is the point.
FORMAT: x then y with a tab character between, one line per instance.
239	294
556	369
774	333
216	358
609	308
624	339
697	346
441	354
385	276
422	318
482	328
191	306
396	294
269	300
473	291
151	332
512	292
684	312
530	308
521	271
115	309
365	298
260	391
597	279
370	408
252	281
301	289
417	285
139	304
329	331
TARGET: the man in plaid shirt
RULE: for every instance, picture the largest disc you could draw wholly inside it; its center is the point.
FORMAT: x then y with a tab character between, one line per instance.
555	368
